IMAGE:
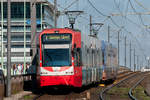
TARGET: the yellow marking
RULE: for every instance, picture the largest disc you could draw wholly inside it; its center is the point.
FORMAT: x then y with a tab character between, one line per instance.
115	82
102	85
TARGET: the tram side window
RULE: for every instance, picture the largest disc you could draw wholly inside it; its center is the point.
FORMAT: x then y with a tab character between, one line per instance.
77	57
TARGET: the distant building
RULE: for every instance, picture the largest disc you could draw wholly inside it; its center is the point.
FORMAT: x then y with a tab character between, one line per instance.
17	27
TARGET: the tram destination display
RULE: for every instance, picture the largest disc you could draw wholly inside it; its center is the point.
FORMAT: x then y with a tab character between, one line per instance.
56	37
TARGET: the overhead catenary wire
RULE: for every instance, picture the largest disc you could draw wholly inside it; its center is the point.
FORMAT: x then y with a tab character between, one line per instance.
66	8
96	9
124	15
131	21
112	20
136	12
128	18
139	16
126	10
141	5
117	6
70	5
104	15
130	33
109	18
116	24
127	6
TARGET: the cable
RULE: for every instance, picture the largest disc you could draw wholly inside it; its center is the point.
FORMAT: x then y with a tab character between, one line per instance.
106	19
130	33
103	14
114	22
117	6
140	47
96	9
64	9
139	16
136	13
128	18
127	8
117	25
136	1
70	5
125	14
141	5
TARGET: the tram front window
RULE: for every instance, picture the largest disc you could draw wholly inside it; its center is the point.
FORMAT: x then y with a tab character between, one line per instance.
56	57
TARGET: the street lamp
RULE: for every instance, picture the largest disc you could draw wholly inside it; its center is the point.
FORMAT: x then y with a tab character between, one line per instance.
72	15
95	28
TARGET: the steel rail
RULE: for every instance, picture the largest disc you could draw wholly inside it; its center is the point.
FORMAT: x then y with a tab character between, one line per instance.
108	88
130	91
38	96
127	74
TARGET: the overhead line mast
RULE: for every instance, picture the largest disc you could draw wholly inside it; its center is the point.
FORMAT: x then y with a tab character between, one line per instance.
55	13
33	30
8	85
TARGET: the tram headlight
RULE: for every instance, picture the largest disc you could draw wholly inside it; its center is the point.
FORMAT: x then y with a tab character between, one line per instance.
44	73
69	73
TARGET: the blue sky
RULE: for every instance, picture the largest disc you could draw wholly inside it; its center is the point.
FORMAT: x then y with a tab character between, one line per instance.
135	24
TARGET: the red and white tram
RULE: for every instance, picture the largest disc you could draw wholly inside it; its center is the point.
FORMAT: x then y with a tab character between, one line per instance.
67	57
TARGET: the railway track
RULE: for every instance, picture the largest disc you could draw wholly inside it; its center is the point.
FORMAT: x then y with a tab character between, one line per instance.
89	92
119	91
124	75
133	87
85	93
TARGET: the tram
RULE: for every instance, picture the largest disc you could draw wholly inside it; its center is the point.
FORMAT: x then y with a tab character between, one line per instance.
65	57
69	58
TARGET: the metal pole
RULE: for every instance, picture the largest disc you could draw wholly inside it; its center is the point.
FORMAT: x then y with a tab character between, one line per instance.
140	65
62	25
41	17
130	55
118	49
8	86
134	60
125	61
33	28
2	20
55	13
24	35
148	63
108	33
137	62
90	25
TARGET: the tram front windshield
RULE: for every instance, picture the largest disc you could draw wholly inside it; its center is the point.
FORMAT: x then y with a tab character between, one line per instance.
56	50
56	57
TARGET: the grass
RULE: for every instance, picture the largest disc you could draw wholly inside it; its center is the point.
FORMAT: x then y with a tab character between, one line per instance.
119	91
26	97
140	94
122	92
